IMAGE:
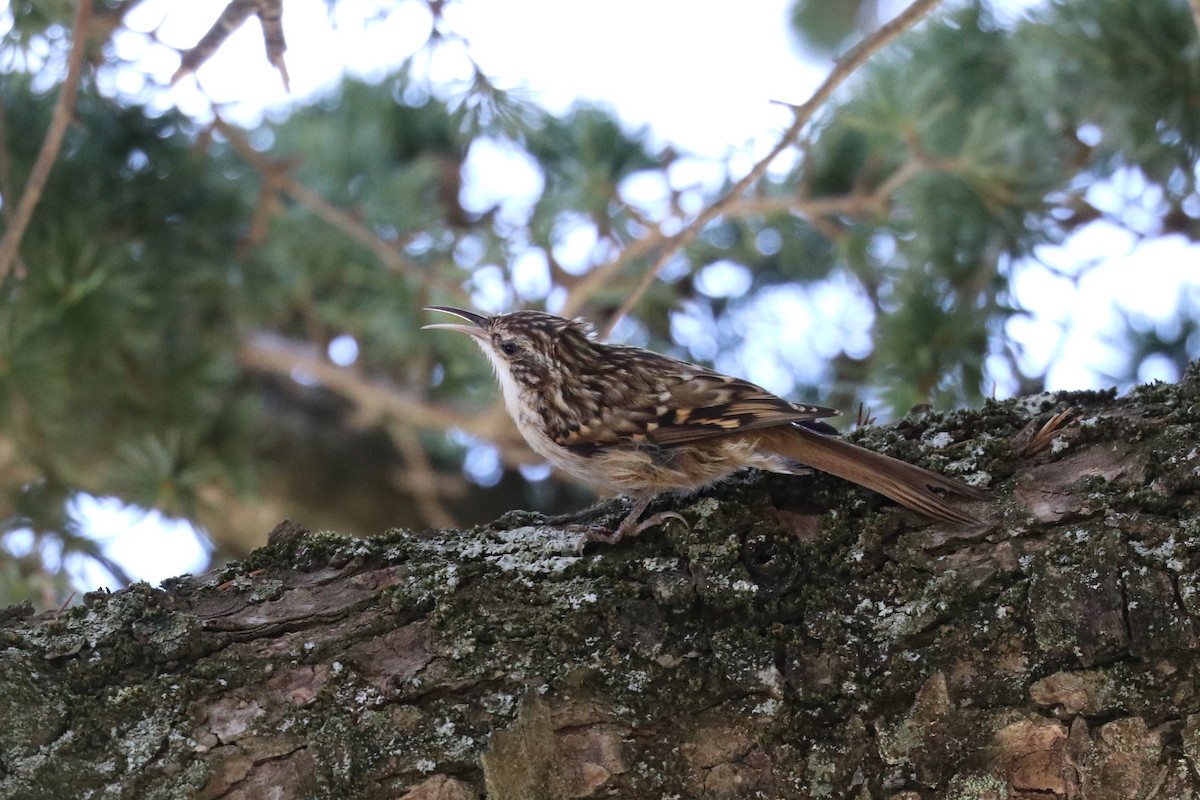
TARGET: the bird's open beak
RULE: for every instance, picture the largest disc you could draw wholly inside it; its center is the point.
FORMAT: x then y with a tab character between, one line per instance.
478	329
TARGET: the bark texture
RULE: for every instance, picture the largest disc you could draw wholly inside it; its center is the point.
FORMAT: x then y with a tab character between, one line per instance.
802	640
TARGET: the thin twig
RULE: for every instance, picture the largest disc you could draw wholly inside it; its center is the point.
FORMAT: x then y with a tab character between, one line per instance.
849	205
843	69
854	204
64	107
594	279
63	606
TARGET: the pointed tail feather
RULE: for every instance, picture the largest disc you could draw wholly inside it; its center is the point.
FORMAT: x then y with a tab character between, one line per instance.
907	484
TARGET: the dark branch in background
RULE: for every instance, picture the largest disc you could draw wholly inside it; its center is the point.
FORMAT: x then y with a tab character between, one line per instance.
377	400
422	481
270	14
380	401
1196	13
843	69
60	117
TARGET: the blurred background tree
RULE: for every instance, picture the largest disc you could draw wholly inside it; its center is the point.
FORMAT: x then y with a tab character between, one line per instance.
220	322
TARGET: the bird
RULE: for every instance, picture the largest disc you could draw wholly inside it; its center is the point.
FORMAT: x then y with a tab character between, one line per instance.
639	423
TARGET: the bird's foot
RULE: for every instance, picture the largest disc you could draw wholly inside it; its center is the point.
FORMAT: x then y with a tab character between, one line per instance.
629	527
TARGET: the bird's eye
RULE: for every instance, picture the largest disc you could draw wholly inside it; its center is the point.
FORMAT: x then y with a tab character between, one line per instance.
509	347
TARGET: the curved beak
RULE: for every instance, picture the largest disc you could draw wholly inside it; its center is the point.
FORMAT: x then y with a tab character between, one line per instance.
478	329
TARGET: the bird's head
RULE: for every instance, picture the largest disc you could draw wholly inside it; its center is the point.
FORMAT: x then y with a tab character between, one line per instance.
525	347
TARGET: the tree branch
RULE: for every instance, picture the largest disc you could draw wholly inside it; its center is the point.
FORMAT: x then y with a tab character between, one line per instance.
1050	651
843	69
337	218
60	117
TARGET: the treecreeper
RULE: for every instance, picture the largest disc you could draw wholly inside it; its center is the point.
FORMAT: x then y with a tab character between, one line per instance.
636	422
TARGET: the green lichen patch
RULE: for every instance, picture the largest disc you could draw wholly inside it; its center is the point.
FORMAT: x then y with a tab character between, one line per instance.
1075	598
34	713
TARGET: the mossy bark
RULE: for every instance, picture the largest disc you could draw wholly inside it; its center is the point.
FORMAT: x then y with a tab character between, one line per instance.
802	639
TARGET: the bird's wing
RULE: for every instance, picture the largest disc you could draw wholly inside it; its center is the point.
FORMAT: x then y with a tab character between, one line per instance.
671	403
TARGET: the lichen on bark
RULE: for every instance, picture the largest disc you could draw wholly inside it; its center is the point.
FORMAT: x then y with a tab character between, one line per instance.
799	638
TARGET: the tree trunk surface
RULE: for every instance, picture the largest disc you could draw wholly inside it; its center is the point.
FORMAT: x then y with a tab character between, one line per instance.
801	638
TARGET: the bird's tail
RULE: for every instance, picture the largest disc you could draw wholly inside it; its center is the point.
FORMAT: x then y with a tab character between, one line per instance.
907	484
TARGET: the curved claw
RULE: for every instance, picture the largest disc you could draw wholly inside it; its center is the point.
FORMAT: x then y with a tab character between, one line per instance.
659	519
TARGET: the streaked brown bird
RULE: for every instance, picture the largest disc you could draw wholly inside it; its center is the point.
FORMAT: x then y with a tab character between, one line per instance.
639	423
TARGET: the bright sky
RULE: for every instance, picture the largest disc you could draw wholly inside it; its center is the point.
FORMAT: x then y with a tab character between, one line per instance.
660	72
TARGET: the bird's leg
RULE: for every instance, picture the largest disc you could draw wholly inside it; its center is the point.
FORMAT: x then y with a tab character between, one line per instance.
630	525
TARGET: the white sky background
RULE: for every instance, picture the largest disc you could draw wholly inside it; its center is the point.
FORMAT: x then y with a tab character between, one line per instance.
660	72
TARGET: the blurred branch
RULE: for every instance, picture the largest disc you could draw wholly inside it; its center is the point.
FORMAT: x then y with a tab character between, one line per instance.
105	20
59	118
858	203
376	400
235	523
588	283
422	481
81	544
379	401
1196	14
843	69
278	178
